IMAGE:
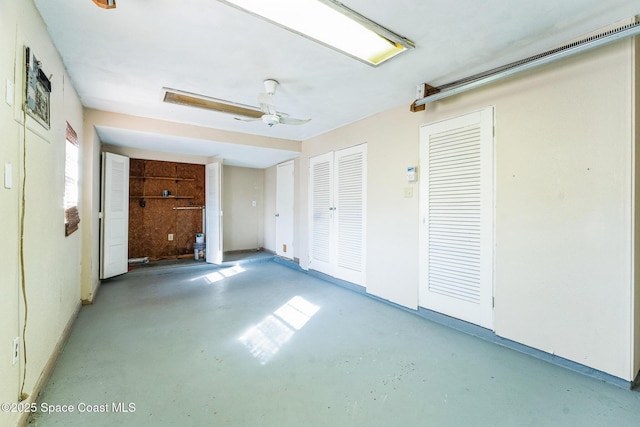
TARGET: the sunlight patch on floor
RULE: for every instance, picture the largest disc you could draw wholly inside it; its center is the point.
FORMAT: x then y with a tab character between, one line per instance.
216	276
266	338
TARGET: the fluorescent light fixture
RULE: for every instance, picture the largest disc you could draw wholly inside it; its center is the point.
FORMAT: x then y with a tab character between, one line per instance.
332	24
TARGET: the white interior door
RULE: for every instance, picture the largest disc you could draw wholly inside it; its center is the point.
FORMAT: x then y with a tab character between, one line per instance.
456	208
350	203
284	209
213	207
321	210
338	213
114	226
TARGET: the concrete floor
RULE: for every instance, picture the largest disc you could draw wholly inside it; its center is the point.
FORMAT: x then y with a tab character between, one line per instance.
264	345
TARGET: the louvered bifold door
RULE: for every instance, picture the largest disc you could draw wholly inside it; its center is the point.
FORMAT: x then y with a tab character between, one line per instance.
321	209
350	219
456	248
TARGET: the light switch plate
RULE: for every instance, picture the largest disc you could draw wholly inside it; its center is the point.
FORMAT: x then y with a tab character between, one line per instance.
8	176
9	93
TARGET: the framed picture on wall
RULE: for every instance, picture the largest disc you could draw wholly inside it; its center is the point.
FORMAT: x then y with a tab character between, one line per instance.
37	90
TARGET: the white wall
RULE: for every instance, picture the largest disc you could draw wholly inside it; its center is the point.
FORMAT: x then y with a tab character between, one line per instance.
564	204
243	223
9	214
636	304
51	261
392	219
564	210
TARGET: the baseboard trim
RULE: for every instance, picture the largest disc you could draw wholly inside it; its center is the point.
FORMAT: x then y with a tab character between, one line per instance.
51	362
475	330
488	335
243	251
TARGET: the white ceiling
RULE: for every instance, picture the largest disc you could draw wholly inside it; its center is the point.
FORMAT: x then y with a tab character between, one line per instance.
233	154
120	59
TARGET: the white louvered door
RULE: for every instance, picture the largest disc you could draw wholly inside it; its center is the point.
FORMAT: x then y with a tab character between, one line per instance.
338	214
456	204
321	182
350	220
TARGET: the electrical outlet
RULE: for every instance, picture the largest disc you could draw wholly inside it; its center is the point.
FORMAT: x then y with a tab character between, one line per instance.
170	237
16	350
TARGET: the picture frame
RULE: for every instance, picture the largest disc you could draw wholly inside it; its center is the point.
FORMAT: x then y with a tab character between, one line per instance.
37	90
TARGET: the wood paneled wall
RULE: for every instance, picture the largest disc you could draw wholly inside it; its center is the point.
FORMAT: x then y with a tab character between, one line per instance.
153	217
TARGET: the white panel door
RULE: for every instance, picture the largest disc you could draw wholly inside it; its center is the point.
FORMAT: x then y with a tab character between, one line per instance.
456	204
321	209
284	209
213	214
114	226
350	204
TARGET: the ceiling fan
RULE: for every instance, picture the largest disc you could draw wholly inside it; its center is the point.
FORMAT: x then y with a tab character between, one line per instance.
270	115
267	111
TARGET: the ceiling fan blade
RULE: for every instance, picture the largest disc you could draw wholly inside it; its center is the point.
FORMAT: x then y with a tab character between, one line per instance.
285	120
248	119
200	101
266	103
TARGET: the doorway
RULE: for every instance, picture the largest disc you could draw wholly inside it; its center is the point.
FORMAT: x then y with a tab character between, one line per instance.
284	209
456	212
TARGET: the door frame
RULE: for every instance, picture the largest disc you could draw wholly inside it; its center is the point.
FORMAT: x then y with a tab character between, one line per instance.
285	222
482	314
213	213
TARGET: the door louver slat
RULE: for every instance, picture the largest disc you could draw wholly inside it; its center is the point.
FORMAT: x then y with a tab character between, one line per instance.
350	211
321	176
454	213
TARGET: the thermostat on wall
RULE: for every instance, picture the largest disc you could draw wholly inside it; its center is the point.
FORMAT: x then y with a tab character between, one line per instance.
412	174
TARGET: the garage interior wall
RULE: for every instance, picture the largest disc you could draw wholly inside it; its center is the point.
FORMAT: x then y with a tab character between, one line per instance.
243	208
566	204
564	146
52	267
636	210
